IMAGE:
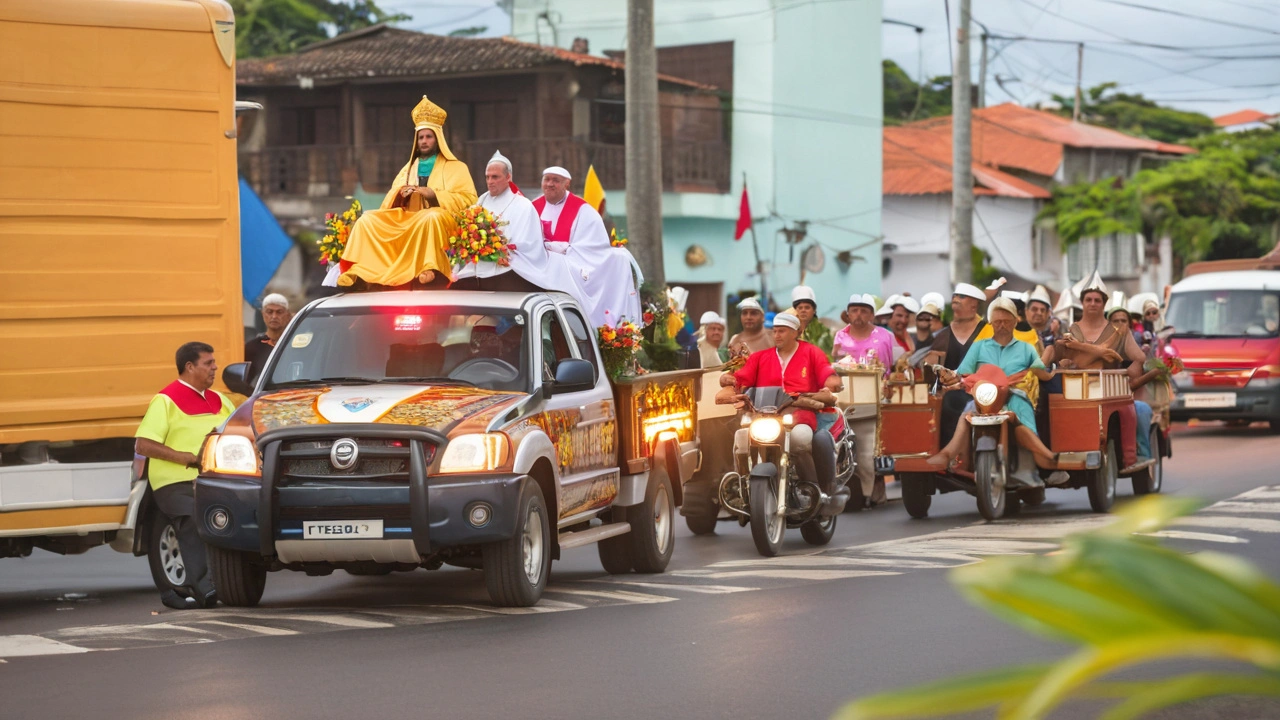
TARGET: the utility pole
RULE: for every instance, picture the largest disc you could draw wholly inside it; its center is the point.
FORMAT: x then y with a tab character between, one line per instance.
962	156
644	143
1075	110
982	74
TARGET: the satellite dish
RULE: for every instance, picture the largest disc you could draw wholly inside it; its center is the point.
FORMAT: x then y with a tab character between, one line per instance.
814	259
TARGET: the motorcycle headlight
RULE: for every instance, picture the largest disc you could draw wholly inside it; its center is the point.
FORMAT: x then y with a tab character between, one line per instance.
766	430
985	394
230	455
475	453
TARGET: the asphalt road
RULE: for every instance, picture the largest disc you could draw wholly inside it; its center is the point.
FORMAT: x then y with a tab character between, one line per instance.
724	633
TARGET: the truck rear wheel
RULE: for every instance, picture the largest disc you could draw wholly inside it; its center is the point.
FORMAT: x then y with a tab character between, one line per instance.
237	578
516	569
653	531
163	554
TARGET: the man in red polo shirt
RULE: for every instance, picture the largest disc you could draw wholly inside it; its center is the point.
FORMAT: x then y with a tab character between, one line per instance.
797	367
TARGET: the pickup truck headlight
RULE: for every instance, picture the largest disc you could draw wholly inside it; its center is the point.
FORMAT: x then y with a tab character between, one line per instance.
230	455
984	395
475	453
765	430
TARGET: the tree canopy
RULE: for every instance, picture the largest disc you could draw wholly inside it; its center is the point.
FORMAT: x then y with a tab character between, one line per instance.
1223	202
901	95
276	27
1136	115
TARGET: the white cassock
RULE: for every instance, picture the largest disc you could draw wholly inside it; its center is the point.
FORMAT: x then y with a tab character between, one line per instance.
529	259
601	271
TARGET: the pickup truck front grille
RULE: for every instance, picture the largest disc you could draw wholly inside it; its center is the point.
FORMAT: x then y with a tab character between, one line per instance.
380	459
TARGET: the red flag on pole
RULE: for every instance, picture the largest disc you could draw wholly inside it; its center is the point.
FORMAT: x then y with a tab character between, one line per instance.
744	215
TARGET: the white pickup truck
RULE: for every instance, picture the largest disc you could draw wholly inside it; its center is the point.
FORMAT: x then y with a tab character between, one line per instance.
397	430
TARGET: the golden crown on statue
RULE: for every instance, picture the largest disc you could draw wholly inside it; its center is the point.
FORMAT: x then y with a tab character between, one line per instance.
428	113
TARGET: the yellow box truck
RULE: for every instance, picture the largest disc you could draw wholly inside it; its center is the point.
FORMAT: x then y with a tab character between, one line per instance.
119	240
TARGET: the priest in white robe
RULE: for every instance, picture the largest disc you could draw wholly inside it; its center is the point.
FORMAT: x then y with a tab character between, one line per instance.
573	229
530	268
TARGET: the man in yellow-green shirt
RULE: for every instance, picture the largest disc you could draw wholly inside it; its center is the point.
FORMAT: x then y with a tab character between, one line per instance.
176	423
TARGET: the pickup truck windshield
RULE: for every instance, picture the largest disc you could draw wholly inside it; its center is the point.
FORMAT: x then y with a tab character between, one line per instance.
1224	313
467	346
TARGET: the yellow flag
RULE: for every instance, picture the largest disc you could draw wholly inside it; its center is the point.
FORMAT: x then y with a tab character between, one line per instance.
592	190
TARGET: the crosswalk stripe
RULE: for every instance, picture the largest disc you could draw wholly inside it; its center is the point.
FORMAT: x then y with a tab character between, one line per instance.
29	645
1270	508
1198	536
788	574
705	589
619	595
1271	492
259	629
1230	522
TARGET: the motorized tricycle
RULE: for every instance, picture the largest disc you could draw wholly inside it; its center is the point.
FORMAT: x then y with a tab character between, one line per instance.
1091	429
768	490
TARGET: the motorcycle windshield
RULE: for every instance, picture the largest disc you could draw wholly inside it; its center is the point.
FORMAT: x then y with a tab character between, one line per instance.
766	397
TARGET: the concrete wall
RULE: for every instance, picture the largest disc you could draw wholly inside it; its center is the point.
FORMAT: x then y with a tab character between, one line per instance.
806	133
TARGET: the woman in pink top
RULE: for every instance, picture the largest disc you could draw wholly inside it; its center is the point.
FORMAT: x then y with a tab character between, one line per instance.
862	340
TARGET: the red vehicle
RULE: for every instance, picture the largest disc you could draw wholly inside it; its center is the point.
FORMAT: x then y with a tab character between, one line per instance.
1093	431
1225	327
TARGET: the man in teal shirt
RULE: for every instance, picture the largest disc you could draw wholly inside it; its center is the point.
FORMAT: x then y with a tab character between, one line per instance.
1012	356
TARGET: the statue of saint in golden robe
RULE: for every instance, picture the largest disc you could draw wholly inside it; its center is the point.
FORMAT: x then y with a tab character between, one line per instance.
406	238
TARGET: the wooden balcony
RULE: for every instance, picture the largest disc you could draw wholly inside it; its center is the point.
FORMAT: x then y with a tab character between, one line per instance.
334	170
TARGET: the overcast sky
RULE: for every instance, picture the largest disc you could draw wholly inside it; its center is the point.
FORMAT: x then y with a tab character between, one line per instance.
1207	68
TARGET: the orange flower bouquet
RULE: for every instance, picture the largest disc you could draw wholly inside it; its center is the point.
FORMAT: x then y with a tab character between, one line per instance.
337	230
618	345
478	237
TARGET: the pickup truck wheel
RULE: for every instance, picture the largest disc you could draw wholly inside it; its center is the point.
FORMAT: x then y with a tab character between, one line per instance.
615	554
237	578
163	554
516	569
653	530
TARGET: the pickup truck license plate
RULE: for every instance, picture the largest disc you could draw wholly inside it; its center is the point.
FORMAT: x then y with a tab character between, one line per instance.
1210	400
341	529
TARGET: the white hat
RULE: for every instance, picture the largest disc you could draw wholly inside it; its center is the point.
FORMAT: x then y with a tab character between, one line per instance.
679	296
803	292
1138	303
275	299
498	157
887	308
907	302
1093	282
1116	304
750	304
862	299
1067	300
932	300
787	319
711	317
1014	296
1040	294
1002	303
967	290
557	170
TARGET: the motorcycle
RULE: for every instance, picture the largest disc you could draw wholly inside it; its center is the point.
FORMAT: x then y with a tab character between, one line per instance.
767	489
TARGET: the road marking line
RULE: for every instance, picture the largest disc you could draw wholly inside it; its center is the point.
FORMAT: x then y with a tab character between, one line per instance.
707	589
785	574
1270	508
339	620
1230	522
32	645
1270	492
1199	536
620	595
259	629
826	561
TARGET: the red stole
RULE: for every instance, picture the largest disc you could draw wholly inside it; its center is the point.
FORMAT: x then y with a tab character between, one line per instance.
572	204
190	402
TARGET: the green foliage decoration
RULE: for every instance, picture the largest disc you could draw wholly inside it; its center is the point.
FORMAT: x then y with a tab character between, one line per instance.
1125	601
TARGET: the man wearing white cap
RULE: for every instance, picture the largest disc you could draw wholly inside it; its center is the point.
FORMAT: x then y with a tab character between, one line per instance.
753	336
1039	315
798	367
885	312
938	302
572	228
860	339
711	327
530	268
805	304
904	309
950	345
275	315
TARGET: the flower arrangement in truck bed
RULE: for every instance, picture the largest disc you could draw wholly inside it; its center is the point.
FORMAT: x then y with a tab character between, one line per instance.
478	237
337	229
618	346
617	239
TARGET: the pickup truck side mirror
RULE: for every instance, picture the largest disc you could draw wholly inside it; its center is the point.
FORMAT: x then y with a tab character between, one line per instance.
573	375
236	378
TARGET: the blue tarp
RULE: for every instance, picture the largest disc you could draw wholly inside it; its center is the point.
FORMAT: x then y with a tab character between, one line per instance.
263	244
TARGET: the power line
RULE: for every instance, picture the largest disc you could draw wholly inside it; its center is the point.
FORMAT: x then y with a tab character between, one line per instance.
708	18
1201	18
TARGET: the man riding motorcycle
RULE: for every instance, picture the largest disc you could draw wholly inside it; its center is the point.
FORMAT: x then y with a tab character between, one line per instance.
797	367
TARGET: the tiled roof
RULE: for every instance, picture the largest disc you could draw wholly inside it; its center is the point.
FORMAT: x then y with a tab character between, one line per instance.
1242	117
1012	136
381	51
918	162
